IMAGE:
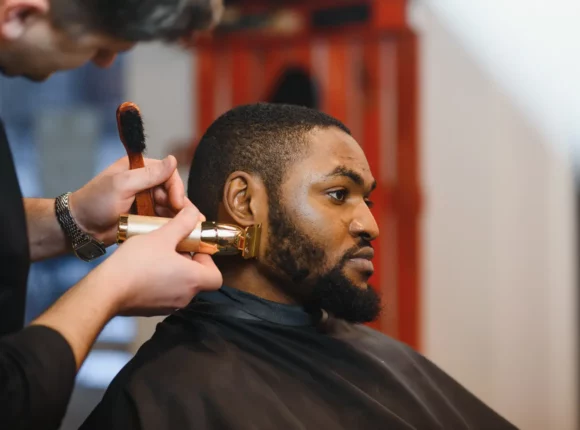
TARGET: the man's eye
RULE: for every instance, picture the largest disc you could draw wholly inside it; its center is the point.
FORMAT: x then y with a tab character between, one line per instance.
338	195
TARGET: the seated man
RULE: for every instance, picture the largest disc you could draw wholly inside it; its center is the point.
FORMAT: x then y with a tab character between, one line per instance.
281	345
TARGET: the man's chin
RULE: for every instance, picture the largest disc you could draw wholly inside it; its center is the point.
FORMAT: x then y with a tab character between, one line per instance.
339	295
359	285
358	279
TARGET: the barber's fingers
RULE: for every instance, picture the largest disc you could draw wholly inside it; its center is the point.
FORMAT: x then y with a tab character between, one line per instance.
175	190
187	255
187	203
164	212
160	196
172	191
208	275
153	174
177	229
171	194
163	209
204	260
168	212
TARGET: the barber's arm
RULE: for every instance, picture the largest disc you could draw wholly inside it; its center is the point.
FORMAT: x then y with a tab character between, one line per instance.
97	205
37	372
145	276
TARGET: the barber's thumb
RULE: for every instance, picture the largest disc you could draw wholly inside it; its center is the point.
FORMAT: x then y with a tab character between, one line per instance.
161	171
165	169
179	227
151	175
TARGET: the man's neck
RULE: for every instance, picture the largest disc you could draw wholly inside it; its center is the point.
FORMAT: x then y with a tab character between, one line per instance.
245	276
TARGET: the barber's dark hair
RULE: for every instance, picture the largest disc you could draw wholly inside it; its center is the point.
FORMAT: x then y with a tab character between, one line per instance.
263	139
137	20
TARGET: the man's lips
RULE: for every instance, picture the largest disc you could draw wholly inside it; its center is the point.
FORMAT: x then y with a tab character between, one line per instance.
361	260
366	253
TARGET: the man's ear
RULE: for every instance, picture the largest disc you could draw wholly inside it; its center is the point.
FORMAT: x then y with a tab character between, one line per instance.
244	198
16	14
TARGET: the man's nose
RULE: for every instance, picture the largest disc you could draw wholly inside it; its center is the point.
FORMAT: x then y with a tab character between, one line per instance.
364	225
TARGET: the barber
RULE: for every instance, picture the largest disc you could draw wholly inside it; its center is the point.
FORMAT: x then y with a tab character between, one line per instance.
146	276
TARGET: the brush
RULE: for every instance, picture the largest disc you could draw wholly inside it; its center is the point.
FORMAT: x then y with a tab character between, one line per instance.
132	134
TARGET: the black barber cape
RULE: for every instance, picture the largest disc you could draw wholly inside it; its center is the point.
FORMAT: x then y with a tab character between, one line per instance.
231	360
37	366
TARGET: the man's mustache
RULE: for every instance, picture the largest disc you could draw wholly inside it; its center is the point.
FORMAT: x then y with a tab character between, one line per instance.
363	243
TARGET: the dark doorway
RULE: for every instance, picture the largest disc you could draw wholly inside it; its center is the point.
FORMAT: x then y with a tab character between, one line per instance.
295	86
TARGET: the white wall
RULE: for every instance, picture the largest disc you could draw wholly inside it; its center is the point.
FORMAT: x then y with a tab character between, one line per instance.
159	79
498	274
530	47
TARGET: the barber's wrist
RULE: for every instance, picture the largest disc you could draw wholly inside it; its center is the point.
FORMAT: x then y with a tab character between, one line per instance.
85	246
79	216
111	284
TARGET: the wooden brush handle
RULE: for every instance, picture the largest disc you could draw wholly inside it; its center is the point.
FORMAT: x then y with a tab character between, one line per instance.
143	200
144	204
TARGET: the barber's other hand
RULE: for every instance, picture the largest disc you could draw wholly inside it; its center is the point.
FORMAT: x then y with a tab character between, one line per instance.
96	206
147	276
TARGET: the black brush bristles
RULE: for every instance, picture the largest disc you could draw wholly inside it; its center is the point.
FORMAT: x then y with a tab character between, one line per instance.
131	128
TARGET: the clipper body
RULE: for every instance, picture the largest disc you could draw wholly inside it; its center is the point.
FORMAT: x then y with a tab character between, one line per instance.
207	237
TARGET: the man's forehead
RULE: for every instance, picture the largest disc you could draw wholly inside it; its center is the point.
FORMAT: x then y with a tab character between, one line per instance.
333	151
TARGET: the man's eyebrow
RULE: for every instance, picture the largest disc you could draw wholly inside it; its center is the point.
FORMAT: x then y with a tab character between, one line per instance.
352	175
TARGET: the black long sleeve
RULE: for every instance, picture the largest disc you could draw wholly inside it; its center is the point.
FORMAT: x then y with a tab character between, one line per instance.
37	365
14	251
37	373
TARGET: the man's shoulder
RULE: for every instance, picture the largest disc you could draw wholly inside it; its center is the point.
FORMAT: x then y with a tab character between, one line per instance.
172	350
143	385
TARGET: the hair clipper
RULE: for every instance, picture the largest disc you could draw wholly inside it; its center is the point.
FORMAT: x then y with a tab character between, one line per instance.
207	238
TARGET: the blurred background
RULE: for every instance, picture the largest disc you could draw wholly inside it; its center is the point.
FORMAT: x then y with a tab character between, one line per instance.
469	113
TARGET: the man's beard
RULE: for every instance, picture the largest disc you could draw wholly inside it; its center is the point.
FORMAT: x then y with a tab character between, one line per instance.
299	258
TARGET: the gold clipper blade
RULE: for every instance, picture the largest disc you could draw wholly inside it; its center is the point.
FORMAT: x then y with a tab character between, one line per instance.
252	237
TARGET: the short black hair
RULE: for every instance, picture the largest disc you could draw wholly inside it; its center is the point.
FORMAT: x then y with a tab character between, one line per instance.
262	139
136	20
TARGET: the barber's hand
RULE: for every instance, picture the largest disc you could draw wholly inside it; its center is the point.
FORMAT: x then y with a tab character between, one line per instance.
146	276
96	206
